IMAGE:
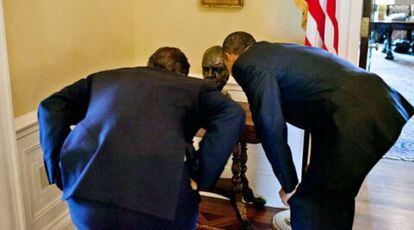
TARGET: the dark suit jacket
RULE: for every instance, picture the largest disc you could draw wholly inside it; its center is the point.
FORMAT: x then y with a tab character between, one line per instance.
133	126
308	87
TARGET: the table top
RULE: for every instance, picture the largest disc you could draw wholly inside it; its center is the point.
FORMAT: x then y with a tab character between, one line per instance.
246	108
249	134
393	24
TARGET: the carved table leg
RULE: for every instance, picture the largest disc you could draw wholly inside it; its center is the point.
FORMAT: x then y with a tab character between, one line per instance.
237	196
248	194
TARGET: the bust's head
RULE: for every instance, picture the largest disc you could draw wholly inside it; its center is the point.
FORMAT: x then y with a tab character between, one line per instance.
214	68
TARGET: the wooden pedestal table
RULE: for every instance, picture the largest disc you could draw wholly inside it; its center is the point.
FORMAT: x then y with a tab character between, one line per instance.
237	188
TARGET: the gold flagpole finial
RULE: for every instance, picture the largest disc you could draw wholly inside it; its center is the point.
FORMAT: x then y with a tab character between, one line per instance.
303	7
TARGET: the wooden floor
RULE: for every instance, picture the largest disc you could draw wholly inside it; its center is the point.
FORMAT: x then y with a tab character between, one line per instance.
386	201
221	215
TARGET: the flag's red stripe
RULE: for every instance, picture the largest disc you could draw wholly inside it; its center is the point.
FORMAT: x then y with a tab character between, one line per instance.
317	13
324	47
307	43
331	11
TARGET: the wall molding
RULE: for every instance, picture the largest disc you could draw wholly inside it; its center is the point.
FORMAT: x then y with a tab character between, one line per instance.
235	89
35	189
26	124
61	222
44	208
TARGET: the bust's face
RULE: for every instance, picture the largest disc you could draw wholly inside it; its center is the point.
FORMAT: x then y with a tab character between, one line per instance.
214	68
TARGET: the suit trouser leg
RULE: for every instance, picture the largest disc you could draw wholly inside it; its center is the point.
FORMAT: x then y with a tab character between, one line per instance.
88	214
316	207
325	198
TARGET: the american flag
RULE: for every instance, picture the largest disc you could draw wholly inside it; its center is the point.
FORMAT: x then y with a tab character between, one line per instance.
320	23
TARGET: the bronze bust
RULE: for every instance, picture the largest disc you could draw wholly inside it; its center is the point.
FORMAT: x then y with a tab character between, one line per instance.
214	68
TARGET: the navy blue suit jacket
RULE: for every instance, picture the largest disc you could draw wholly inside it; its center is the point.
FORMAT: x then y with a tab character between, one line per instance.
133	128
310	88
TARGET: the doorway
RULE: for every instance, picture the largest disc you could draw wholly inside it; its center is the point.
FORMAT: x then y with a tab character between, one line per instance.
379	205
389	53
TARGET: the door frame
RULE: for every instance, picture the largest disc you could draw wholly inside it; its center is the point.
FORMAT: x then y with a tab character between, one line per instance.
365	36
11	198
349	20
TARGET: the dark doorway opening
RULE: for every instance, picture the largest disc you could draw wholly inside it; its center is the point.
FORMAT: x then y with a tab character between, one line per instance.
388	50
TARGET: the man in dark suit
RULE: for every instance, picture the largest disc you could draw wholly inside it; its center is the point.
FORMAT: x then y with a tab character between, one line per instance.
125	164
353	116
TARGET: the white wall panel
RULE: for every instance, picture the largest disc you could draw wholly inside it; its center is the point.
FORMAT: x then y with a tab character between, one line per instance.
42	204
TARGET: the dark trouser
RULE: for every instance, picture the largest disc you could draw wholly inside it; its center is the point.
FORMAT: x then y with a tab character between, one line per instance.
340	160
316	207
87	214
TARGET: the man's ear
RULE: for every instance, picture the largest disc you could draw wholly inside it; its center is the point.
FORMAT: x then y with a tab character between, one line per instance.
228	60
226	56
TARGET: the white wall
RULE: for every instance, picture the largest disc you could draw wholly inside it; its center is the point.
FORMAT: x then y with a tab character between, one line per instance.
194	28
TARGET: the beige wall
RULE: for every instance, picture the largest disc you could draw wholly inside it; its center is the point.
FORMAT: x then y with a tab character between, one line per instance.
194	28
54	43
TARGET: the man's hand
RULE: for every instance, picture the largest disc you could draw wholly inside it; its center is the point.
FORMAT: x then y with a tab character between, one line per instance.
193	184
285	196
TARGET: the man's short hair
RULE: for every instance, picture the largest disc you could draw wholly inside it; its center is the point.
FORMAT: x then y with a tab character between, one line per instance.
171	59
237	42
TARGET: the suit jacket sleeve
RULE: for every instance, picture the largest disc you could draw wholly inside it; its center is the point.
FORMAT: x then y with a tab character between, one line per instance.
223	120
264	98
55	115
